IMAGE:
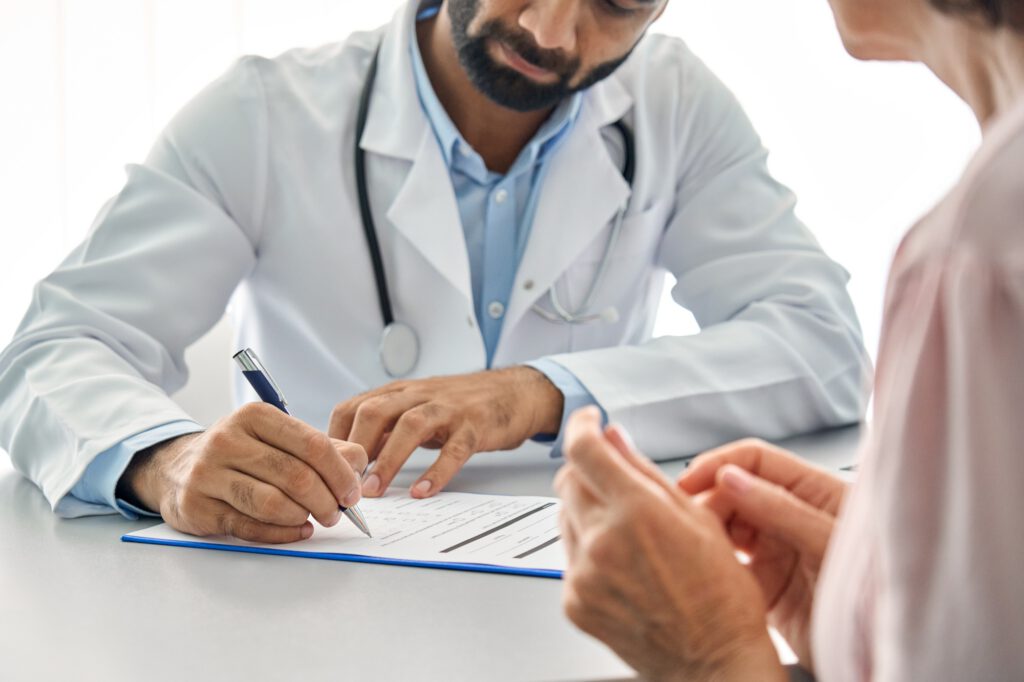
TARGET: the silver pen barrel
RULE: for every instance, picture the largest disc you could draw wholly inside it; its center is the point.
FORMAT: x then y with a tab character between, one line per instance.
357	519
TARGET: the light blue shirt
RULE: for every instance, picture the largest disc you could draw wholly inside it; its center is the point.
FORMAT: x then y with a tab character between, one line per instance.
99	482
497	213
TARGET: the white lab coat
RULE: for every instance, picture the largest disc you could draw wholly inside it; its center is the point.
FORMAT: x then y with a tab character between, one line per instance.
249	194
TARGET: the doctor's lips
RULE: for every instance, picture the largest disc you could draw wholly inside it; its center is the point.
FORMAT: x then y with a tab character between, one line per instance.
524	66
519	52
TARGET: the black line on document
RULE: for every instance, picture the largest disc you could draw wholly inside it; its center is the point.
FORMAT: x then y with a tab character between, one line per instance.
496	528
539	547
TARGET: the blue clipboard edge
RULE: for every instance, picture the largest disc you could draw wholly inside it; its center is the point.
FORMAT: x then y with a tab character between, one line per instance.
358	558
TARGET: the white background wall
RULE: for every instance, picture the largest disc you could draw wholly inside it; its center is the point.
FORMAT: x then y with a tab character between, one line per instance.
87	84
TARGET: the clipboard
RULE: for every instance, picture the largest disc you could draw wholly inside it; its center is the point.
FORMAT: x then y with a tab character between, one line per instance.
501	534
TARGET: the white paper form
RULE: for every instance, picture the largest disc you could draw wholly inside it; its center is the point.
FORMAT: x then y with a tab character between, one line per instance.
500	533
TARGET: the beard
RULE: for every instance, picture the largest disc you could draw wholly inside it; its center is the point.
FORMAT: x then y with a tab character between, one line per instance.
506	86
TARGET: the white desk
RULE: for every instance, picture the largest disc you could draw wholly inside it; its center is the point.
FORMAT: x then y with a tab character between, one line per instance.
77	603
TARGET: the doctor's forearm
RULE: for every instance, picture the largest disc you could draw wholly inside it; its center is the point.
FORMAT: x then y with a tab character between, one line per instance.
681	395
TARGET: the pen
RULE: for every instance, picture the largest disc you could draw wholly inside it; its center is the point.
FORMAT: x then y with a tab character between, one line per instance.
266	388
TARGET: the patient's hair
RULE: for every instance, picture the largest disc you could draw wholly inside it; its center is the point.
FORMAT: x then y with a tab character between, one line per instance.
996	13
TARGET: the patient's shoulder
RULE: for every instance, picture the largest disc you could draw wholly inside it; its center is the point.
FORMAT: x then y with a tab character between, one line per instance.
989	213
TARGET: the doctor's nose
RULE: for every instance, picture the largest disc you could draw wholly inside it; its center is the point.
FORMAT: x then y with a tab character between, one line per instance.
552	23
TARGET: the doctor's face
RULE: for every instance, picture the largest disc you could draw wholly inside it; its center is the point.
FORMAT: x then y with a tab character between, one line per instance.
531	54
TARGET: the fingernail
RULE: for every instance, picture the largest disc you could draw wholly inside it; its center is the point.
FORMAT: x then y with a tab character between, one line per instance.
307	530
737	479
423	487
352	498
371	485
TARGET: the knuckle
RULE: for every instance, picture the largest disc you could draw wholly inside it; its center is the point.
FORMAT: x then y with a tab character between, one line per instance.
371	409
355	462
302	480
573	604
355	454
272	506
243	493
339	411
455	453
201	470
340	420
431	410
585	442
753	444
317	447
469	438
188	501
414	420
276	462
256	411
219	440
603	551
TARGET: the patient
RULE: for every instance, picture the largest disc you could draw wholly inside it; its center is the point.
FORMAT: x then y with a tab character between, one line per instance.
916	572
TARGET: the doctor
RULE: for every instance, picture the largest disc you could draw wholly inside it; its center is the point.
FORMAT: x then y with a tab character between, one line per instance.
480	200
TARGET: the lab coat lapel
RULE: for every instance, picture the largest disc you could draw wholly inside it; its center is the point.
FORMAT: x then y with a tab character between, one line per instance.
424	210
426	213
582	191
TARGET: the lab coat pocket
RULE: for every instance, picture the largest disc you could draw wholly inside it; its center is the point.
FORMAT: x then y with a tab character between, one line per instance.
619	290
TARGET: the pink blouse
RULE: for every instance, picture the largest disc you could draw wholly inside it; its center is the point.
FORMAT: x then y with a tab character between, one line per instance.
924	579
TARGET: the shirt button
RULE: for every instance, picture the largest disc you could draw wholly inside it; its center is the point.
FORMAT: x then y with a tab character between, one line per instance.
471	321
496	309
500	196
528	284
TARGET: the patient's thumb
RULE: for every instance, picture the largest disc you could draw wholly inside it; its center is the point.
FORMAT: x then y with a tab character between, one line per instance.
775	511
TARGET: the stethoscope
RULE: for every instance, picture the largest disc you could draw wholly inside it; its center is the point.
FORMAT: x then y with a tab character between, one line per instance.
399	345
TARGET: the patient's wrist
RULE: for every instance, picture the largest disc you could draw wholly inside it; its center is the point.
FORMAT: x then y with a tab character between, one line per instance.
758	660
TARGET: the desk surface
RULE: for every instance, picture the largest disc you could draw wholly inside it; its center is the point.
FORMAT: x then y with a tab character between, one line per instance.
76	602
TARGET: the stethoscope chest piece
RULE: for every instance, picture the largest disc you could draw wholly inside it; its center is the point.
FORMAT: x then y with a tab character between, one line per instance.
399	349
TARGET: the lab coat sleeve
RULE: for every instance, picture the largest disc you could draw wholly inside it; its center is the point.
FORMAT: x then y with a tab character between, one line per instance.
102	344
780	350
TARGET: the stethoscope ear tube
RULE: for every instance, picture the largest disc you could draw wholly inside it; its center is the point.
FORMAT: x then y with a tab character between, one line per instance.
369	229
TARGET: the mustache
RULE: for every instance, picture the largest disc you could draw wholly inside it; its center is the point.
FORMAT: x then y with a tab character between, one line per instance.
555	61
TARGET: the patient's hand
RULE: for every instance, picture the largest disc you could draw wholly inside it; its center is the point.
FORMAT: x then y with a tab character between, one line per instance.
779	510
257	474
652	573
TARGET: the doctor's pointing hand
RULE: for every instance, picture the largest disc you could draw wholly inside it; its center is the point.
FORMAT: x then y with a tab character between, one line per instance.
461	415
450	232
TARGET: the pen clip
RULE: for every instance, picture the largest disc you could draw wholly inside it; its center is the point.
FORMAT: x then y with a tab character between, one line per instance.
250	362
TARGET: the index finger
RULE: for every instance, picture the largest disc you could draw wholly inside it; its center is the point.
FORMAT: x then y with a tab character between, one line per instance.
302	441
599	463
762	459
343	416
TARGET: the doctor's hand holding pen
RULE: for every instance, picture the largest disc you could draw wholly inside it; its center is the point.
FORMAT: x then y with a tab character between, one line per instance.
461	415
257	474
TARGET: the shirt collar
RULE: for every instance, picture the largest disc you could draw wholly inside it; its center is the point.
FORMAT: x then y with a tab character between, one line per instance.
450	139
